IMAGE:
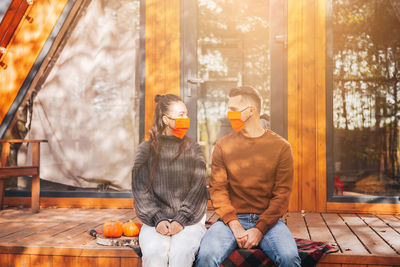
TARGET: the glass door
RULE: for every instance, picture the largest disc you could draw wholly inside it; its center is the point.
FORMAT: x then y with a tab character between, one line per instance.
227	44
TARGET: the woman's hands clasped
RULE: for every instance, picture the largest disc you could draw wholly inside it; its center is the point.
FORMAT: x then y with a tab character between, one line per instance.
169	228
163	227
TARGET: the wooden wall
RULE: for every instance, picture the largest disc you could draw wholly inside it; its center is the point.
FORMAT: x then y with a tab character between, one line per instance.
306	87
25	48
307	102
307	111
162	37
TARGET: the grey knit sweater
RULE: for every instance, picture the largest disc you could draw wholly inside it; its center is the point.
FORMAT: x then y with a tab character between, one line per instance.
178	190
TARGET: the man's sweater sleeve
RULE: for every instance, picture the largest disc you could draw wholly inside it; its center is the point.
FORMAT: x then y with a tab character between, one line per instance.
219	188
195	203
144	200
279	202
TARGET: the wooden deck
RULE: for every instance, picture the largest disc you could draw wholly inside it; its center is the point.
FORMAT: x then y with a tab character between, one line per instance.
58	237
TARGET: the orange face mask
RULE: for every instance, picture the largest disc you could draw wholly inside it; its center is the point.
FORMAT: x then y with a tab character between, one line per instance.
235	118
181	127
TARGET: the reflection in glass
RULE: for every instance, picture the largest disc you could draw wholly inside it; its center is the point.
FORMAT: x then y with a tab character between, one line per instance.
366	97
233	50
88	105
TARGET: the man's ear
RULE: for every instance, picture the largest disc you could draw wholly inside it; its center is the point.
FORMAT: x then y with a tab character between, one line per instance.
253	109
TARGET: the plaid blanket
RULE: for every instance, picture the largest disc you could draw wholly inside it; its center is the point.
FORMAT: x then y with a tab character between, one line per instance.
310	253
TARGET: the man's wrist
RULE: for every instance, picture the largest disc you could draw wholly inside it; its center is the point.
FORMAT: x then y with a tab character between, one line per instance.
236	227
230	216
258	230
233	223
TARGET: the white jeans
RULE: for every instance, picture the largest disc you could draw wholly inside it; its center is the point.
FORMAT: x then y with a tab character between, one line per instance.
178	250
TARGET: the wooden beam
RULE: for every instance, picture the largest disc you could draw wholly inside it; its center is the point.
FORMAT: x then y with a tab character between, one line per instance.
99	203
294	111
306	102
81	252
162	37
358	259
308	69
374	208
5	151
321	177
11	20
6	172
25	47
35	198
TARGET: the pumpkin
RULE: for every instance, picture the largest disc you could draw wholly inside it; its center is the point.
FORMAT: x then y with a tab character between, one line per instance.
131	228
112	229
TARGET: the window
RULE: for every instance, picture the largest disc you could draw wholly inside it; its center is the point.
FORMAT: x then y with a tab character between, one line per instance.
233	49
88	105
364	101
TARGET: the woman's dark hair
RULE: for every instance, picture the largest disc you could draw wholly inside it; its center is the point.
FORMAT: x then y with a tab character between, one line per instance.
163	104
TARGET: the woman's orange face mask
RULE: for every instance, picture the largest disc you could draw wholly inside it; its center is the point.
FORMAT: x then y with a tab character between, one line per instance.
178	114
181	127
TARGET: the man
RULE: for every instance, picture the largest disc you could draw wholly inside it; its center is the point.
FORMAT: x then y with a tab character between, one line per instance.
251	181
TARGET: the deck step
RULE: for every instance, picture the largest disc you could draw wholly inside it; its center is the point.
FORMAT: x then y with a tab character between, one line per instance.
59	237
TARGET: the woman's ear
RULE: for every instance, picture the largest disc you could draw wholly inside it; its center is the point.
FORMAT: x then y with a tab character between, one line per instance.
165	120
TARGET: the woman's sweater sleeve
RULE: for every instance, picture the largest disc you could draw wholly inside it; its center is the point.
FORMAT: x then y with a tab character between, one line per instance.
195	203
144	201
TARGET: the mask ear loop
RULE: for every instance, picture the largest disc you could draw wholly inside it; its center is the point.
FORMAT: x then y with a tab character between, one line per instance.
248	116
167	124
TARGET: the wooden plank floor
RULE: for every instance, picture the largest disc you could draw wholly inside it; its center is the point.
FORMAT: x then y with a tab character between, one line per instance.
58	237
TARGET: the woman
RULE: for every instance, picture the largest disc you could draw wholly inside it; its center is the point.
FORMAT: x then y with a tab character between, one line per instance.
168	185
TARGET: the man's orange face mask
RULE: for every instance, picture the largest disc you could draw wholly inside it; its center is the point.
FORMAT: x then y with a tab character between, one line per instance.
181	127
235	117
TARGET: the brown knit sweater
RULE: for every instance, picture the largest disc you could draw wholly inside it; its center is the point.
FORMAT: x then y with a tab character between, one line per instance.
251	175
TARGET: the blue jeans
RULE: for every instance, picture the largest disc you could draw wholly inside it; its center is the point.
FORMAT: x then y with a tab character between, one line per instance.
218	243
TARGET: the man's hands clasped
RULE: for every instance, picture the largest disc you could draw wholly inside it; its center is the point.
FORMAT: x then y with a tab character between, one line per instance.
254	237
245	238
169	228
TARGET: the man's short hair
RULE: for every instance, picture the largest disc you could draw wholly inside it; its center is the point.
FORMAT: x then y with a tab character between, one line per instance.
249	93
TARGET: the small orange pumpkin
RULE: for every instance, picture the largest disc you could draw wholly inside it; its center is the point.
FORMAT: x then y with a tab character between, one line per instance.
112	229
131	228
